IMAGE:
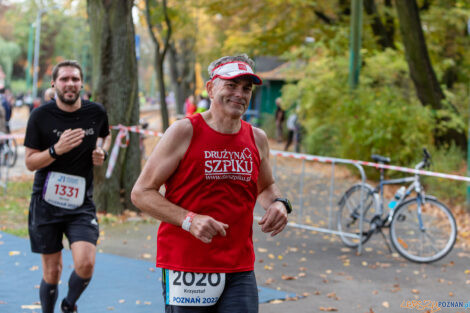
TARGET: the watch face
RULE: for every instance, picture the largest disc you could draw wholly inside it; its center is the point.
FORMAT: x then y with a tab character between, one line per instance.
286	203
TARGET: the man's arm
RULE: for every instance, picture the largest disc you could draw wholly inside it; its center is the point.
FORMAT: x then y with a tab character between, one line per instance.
99	152
37	159
275	218
161	164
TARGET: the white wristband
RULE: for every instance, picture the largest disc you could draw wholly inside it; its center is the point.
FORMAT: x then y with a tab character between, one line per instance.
188	220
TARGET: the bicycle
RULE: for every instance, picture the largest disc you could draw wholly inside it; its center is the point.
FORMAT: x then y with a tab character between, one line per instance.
3	166
9	152
422	229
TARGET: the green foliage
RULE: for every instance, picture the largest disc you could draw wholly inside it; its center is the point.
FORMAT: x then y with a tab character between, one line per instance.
450	160
18	86
9	52
382	116
14	208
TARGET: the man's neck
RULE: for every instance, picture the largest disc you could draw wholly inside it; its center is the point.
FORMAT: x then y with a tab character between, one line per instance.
69	108
222	124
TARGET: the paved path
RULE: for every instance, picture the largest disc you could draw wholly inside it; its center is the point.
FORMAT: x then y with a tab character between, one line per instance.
323	273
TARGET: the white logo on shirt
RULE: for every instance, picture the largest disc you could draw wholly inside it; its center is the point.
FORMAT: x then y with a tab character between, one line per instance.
234	165
88	132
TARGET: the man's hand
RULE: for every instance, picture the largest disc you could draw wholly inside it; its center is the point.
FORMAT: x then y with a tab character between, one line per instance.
69	139
204	228
275	218
98	156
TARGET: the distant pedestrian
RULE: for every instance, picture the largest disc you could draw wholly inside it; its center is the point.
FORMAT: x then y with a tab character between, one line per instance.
190	106
6	99
280	116
203	104
49	94
293	134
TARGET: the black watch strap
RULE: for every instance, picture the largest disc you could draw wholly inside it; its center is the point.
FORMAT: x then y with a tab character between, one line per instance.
52	152
105	155
286	203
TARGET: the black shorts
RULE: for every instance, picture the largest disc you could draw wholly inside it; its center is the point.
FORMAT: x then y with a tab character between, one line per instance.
46	228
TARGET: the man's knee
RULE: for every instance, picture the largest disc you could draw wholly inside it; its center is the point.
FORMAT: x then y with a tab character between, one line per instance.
52	273
84	267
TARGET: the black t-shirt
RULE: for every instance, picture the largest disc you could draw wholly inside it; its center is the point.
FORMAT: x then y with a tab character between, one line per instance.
48	122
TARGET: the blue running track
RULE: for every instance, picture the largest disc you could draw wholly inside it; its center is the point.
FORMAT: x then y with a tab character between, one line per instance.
119	284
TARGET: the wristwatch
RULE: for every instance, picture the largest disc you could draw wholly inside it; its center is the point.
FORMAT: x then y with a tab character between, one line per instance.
286	203
52	152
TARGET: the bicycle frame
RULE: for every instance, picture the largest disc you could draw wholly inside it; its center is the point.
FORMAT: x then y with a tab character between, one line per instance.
414	186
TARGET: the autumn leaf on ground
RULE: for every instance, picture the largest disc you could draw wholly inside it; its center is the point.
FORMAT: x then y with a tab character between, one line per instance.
271	256
385	304
286	277
31	306
12	253
268	268
332	295
328	309
262	250
269	281
146	255
396	287
415	291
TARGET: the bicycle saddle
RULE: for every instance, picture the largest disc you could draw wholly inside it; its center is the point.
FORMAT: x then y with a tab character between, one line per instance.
380	159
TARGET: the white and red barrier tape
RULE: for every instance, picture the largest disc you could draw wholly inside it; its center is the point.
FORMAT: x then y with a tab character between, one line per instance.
321	159
15	136
124	133
118	143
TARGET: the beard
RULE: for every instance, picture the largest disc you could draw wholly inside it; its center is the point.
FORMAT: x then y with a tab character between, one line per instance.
70	101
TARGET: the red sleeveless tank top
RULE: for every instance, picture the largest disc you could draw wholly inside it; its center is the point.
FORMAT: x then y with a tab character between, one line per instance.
217	177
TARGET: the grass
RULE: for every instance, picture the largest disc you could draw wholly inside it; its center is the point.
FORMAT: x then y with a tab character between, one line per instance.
14	207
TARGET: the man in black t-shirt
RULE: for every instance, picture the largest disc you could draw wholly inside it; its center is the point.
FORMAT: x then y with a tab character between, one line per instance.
61	146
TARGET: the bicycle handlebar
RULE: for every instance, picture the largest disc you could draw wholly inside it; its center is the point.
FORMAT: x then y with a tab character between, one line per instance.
426	162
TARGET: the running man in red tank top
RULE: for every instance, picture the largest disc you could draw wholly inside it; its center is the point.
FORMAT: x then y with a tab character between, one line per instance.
214	167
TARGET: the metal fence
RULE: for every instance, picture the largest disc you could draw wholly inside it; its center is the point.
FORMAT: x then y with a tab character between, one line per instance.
314	189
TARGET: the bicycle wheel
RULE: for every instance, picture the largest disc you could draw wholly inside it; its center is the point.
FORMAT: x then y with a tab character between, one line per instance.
350	210
12	152
424	244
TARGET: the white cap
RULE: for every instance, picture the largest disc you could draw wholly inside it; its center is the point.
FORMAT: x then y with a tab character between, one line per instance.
231	70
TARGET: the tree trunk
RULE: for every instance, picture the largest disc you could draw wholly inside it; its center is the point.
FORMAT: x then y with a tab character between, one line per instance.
421	71
115	86
182	71
378	28
160	52
161	89
424	78
176	80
